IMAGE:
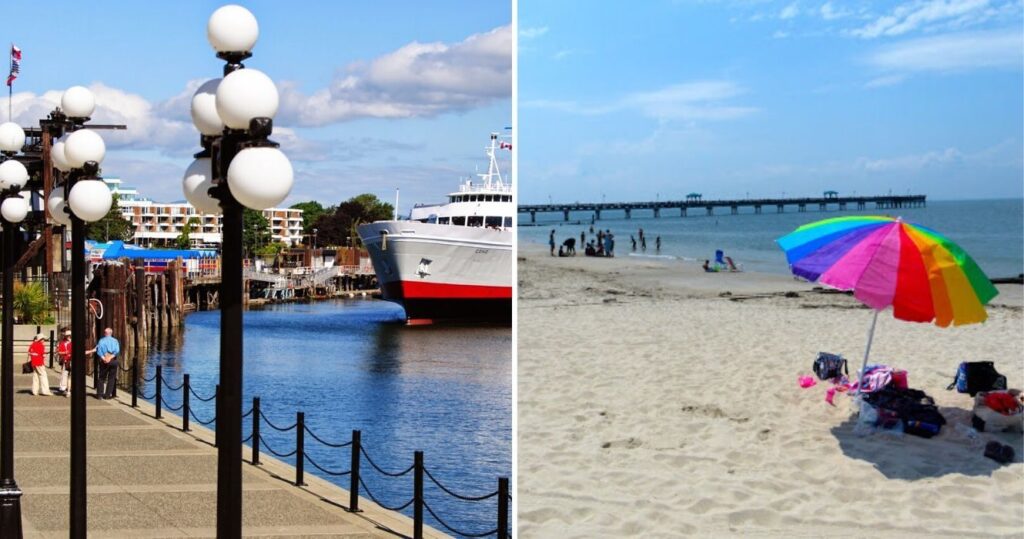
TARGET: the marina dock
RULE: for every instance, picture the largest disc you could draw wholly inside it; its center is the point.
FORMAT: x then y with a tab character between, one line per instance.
695	201
148	478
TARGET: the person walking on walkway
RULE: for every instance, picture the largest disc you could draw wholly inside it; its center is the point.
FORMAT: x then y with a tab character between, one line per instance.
36	353
107	349
64	356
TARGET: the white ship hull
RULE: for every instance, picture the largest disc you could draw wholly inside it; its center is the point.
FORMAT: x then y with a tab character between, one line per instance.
441	271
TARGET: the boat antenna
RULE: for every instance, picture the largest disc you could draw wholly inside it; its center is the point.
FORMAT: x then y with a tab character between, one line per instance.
396	204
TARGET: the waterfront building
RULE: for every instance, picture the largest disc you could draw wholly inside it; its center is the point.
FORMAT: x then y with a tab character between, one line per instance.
158	224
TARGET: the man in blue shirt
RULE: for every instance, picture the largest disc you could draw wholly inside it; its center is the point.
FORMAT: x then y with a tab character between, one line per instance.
107	350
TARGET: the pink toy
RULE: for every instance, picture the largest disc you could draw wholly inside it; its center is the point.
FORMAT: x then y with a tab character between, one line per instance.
806	381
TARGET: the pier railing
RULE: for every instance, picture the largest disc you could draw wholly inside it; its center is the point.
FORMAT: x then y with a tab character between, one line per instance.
357	455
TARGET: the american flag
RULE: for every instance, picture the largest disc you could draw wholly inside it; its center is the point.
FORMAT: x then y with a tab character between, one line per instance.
15	65
505	145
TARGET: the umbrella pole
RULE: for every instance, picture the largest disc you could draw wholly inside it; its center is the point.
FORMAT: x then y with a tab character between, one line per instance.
867	352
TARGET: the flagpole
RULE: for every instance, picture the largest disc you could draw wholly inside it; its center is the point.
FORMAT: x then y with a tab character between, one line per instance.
10	85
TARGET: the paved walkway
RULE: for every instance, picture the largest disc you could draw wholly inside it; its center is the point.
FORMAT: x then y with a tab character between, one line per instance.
147	478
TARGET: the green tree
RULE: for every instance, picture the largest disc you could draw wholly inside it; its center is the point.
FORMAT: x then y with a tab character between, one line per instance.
255	231
333	228
113	226
311	211
184	240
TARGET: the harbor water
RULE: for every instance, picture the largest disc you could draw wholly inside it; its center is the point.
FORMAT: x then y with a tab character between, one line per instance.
991	231
354	364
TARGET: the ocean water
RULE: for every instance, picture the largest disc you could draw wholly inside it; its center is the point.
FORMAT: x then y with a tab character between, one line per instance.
991	231
353	364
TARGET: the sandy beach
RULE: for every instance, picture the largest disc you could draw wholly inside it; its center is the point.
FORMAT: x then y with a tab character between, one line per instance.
656	400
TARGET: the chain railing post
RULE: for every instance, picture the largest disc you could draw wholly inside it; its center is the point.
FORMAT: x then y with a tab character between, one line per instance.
502	508
135	382
96	374
417	496
51	348
353	491
300	449
255	431
184	404
159	390
216	410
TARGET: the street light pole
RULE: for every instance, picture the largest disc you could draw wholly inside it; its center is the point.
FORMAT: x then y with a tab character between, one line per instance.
13	176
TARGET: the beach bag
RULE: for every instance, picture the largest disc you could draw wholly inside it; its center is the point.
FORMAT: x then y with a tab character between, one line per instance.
975	376
828	366
913	407
26	367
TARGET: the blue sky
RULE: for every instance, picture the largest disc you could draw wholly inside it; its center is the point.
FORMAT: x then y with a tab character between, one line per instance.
374	95
662	98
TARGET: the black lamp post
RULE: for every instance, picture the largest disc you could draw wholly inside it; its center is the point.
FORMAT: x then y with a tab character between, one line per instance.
84	198
239	167
13	176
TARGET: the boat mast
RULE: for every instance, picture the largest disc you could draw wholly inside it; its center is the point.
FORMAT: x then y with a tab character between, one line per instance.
492	169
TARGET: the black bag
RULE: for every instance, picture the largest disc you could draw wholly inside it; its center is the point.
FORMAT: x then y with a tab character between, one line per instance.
913	407
828	366
26	367
974	376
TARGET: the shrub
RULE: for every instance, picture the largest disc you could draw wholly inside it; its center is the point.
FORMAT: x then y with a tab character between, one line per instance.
31	303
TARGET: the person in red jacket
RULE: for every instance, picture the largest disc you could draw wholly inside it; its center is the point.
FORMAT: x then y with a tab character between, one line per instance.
64	356
36	353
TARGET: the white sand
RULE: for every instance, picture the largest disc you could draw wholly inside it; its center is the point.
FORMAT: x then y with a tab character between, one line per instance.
651	407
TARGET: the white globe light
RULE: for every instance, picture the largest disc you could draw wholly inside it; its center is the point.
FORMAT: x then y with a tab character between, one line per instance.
232	28
12	137
260	178
56	204
196	185
204	109
90	200
13	174
78	102
58	158
14	209
84	145
246	94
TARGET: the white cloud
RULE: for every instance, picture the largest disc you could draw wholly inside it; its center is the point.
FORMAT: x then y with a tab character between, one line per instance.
885	80
698	100
789	11
417	80
831	13
917	14
779	34
953	52
534	32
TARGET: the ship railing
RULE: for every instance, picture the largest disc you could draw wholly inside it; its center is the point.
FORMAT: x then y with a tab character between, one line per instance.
353	453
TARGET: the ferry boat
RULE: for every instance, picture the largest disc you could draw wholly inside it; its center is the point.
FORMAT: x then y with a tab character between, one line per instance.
451	261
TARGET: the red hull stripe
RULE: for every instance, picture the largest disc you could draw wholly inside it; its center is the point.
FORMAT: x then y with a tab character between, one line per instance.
422	290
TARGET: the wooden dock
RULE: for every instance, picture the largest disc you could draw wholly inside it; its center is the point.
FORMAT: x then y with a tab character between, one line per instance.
696	202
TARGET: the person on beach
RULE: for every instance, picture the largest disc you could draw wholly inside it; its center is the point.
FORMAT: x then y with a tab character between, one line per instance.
609	243
707	267
551	242
583	239
633	241
108	348
643	243
36	353
641	234
64	356
657	244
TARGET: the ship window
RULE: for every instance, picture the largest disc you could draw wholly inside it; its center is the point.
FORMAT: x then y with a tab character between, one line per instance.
472	198
459	221
489	198
442	220
507	198
493	222
508	222
475	220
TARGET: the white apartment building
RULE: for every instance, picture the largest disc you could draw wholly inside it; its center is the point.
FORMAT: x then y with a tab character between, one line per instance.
159	224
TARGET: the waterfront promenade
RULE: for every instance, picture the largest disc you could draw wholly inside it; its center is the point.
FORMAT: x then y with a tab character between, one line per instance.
147	478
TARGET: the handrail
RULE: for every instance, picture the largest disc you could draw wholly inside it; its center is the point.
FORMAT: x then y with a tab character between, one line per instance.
358	451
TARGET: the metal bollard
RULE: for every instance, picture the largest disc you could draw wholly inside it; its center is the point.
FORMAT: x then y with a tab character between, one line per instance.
135	383
51	349
159	390
255	431
300	447
502	508
184	404
417	496
353	491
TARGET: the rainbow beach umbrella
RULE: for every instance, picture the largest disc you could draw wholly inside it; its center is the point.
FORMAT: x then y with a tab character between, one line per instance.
886	262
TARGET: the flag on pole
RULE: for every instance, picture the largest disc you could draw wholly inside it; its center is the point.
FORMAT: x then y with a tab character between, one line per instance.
15	65
505	145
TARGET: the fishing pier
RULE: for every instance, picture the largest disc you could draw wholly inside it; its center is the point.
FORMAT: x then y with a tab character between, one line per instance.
694	201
